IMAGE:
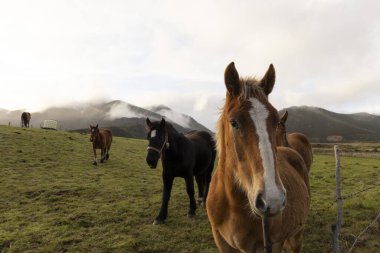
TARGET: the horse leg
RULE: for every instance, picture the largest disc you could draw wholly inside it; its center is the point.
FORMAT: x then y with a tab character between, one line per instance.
108	152
190	192
103	150
295	243
94	162
168	183
201	188
222	245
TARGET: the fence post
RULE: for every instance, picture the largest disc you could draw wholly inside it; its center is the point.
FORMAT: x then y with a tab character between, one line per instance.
336	227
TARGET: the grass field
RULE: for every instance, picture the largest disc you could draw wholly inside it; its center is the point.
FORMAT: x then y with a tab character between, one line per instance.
52	199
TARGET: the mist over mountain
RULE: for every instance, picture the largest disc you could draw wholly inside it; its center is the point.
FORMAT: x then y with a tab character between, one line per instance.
128	120
181	119
122	118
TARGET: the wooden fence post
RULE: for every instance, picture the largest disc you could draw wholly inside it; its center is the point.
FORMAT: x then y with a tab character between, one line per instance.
336	227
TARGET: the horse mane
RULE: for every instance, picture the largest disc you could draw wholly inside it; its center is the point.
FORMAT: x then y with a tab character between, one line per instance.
248	87
173	136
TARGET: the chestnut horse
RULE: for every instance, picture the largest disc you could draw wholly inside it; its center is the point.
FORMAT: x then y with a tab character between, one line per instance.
101	139
25	119
255	180
297	141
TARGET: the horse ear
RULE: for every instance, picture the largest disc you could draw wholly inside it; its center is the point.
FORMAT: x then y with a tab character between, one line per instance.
268	80
162	124
231	79
97	125
90	126
284	117
148	123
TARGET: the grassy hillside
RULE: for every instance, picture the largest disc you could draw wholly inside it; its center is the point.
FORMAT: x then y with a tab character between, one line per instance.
52	199
318	124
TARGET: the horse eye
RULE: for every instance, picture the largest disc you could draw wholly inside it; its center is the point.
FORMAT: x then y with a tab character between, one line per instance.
234	124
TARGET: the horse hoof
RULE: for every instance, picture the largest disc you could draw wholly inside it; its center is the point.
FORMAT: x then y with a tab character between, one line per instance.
101	161
191	215
158	222
95	163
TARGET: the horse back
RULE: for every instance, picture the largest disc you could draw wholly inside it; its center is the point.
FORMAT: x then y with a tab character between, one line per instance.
202	141
203	146
301	144
106	137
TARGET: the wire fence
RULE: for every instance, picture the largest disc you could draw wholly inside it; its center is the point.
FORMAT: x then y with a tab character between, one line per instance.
336	227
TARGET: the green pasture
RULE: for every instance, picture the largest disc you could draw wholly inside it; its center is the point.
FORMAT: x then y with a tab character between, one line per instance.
52	199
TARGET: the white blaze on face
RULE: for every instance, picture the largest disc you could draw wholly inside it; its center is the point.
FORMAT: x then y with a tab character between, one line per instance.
259	115
153	134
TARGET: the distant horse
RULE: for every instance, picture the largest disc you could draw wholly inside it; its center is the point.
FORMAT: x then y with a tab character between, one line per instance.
101	139
186	156
297	141
25	119
254	179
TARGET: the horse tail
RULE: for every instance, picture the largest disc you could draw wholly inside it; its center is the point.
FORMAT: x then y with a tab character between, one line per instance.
109	142
210	167
110	139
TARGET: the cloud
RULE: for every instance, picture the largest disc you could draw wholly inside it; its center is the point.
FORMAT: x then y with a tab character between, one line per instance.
201	103
175	117
119	110
326	53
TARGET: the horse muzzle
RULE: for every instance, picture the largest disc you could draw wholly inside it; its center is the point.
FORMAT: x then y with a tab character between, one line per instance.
268	207
152	159
152	164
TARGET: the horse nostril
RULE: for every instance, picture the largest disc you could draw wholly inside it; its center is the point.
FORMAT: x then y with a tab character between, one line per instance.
260	203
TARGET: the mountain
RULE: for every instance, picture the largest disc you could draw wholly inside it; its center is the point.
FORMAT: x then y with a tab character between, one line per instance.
321	125
122	118
128	120
177	117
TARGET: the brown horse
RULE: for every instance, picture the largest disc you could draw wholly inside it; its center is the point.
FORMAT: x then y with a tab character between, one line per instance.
101	139
297	141
254	179
25	119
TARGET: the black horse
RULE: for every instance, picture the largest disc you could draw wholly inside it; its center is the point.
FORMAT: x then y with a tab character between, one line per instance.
186	156
25	119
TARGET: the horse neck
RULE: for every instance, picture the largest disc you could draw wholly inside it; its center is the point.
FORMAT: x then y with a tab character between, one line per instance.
98	140
173	137
285	140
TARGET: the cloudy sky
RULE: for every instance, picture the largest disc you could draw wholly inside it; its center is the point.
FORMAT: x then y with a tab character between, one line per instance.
173	52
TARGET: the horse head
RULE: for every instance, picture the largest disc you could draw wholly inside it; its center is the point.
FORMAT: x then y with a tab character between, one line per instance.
281	131
157	139
247	139
94	133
